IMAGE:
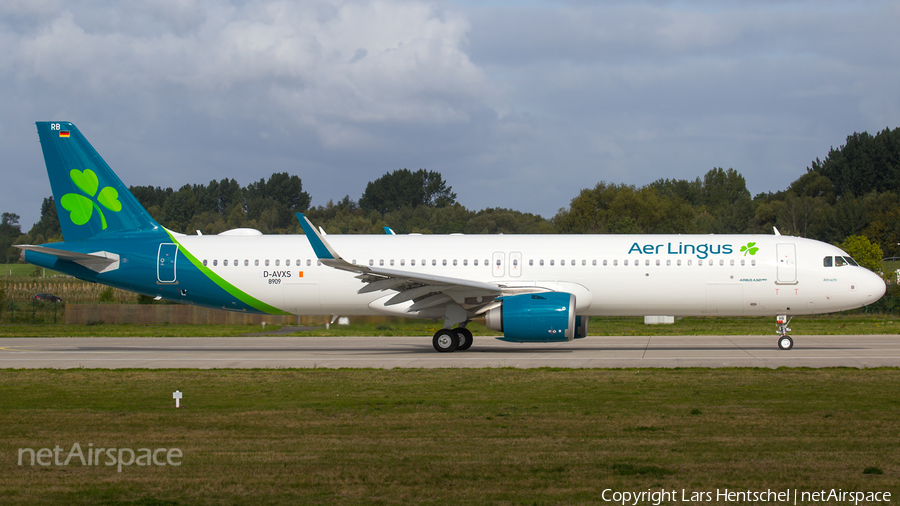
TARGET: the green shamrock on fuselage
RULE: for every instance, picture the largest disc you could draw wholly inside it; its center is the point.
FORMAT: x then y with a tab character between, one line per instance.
80	207
749	248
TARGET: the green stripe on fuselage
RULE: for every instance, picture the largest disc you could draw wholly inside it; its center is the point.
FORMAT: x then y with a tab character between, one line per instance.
234	291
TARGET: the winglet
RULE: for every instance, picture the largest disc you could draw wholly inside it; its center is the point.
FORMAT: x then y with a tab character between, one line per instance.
389	231
323	250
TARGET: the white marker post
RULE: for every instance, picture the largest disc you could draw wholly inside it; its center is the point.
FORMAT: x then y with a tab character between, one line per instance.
177	396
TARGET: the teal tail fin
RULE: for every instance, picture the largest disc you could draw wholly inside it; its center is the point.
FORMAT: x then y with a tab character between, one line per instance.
90	199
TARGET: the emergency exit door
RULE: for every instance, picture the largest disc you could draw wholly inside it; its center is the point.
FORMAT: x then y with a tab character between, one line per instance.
787	263
165	263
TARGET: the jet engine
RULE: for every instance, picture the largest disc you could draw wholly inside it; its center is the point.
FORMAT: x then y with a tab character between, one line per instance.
535	317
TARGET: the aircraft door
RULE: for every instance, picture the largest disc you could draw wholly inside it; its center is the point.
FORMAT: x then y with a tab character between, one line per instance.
787	263
515	264
165	263
497	266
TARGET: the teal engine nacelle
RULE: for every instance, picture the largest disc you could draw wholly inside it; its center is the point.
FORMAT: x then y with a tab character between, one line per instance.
535	317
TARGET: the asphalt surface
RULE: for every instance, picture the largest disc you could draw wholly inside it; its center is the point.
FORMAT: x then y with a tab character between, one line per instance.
391	352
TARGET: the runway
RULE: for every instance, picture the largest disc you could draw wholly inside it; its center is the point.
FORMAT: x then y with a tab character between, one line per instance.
417	352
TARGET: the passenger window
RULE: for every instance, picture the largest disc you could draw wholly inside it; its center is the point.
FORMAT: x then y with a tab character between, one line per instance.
371	262
256	262
515	263
287	263
498	262
827	262
551	262
657	263
402	262
381	263
583	263
721	263
215	263
454	262
542	262
247	263
277	262
267	262
299	263
433	263
465	262
678	262
204	262
743	262
318	262
573	263
689	263
647	263
412	262
444	262
530	262
604	263
615	263
475	262
625	263
225	263
594	263
753	263
392	262
731	262
309	263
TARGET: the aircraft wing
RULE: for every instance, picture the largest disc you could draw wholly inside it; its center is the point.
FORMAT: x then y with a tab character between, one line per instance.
425	290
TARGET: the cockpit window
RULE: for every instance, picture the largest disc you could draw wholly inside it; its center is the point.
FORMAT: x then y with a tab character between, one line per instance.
827	262
851	261
839	261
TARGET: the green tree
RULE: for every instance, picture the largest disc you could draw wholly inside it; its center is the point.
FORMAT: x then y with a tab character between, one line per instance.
395	190
624	209
10	230
864	163
179	209
866	253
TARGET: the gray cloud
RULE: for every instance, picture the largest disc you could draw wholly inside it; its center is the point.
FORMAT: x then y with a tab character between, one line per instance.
518	104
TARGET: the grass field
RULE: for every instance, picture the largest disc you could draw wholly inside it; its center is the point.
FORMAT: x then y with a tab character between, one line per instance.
805	325
24	270
449	436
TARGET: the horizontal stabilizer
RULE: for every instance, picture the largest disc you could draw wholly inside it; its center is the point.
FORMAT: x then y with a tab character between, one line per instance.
100	261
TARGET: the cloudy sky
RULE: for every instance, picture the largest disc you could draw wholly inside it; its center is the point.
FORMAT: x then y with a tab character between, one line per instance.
518	104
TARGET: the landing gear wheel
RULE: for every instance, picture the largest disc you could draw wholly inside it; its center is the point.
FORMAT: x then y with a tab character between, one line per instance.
465	338
445	340
785	342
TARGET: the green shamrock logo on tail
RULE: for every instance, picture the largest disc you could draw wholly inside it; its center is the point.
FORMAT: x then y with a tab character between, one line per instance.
81	208
749	248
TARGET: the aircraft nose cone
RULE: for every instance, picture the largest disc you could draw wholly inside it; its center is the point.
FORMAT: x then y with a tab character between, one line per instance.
874	287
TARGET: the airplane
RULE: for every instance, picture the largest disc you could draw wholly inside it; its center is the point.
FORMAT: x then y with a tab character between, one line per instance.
530	288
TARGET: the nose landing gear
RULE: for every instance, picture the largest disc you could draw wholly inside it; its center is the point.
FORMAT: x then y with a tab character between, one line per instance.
784	341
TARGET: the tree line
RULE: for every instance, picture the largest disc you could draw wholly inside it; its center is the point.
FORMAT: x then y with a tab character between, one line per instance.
853	193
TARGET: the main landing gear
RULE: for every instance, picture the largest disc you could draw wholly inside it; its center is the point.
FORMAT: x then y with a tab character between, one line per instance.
447	340
784	341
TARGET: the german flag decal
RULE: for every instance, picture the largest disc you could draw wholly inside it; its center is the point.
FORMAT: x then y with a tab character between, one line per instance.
63	133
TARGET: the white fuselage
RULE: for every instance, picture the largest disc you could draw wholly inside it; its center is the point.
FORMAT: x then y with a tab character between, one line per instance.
677	275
